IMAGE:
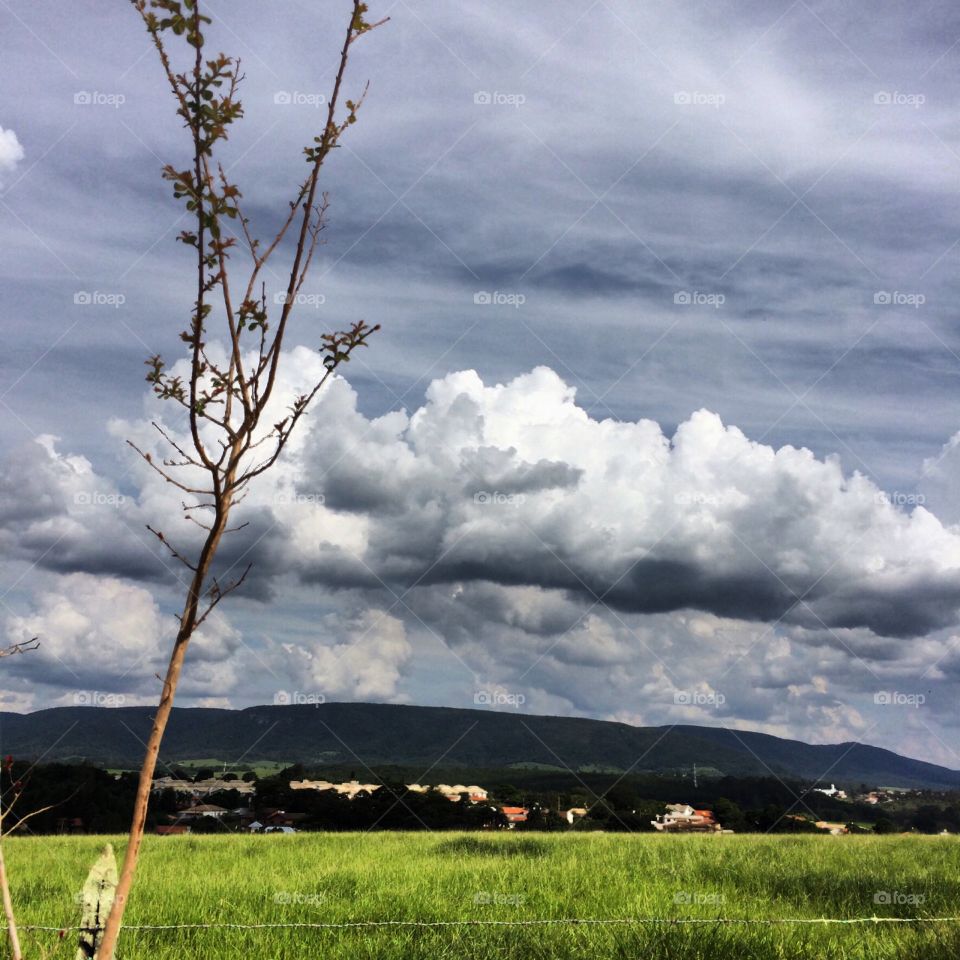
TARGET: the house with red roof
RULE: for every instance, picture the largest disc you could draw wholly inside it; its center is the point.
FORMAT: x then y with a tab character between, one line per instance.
682	818
515	815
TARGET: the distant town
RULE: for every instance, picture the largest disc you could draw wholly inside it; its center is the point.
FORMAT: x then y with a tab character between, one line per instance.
86	799
675	818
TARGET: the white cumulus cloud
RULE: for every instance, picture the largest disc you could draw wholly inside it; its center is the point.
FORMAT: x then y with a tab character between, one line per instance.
11	152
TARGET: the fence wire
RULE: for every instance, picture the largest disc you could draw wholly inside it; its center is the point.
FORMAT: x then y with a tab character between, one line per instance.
559	921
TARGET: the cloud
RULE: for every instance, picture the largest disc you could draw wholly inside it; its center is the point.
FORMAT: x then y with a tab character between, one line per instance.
104	640
11	153
56	510
97	633
516	484
939	486
368	655
596	566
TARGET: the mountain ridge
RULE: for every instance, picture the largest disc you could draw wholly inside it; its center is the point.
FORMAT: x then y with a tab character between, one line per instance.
366	735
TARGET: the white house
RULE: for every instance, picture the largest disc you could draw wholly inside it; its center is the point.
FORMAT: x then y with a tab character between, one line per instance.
831	792
204	810
681	817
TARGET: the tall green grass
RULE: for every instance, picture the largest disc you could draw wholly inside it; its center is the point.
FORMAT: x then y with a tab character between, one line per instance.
339	878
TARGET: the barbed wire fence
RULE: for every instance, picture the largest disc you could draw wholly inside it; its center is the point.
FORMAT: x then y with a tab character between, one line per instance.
556	921
98	893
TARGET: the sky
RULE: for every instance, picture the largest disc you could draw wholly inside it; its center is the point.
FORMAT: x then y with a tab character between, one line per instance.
663	423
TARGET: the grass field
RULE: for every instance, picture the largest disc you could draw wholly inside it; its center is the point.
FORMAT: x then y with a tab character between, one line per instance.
336	878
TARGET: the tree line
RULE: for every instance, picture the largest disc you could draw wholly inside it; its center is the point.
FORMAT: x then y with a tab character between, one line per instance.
86	798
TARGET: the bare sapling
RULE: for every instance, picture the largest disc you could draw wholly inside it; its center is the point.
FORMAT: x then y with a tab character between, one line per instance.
6	808
222	400
12	785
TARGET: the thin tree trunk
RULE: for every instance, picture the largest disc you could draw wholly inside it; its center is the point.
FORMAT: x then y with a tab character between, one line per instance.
207	114
188	622
8	910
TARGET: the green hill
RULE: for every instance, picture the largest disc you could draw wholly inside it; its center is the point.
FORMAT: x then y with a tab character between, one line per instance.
361	735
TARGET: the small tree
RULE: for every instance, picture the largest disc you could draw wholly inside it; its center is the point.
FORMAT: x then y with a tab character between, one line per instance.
6	808
224	402
12	784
